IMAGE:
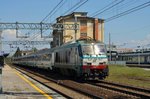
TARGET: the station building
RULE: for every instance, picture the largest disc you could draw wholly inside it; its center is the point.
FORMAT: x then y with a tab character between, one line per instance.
88	27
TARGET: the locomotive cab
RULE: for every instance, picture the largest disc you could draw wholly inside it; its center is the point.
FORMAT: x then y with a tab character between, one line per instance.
94	61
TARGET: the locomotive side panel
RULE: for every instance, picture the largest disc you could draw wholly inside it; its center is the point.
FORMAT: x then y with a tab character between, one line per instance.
67	61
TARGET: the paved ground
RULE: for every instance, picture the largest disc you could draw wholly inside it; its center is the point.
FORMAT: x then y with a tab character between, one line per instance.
18	86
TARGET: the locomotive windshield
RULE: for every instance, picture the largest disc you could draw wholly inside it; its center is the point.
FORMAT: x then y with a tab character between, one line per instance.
93	49
88	49
99	49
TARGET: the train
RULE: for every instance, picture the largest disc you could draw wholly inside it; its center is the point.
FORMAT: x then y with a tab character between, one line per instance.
135	57
86	59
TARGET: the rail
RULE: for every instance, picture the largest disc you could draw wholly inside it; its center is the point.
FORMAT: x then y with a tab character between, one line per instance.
131	90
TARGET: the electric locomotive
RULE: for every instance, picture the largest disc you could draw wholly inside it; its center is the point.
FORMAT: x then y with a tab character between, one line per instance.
82	59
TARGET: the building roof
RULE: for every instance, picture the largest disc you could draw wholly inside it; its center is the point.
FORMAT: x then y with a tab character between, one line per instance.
78	15
12	53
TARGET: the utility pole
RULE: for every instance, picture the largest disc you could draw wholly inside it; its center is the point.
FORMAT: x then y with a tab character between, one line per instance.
109	47
1	61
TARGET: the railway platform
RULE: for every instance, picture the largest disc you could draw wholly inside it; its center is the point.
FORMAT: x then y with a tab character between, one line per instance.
18	86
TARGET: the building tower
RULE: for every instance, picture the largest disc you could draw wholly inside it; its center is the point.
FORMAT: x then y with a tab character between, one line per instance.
88	27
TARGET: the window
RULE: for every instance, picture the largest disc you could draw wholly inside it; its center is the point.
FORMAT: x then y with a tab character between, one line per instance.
83	35
83	23
100	49
87	49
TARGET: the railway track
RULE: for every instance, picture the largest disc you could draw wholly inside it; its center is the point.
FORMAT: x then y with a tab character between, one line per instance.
89	90
75	92
131	90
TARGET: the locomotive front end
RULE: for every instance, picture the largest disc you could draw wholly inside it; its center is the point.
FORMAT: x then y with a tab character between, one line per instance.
94	63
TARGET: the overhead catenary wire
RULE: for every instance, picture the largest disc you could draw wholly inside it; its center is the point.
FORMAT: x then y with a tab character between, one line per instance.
121	7
93	14
127	4
108	7
144	5
52	11
56	11
58	6
49	15
75	6
80	5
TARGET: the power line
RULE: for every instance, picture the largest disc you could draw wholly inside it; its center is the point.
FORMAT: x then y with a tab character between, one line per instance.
56	11
109	6
60	4
93	14
127	4
144	5
77	5
47	17
80	5
52	10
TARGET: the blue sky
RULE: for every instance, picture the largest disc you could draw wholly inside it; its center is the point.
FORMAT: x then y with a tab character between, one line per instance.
132	29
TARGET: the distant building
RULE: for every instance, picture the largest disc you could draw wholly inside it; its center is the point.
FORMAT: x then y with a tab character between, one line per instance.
124	50
88	27
118	50
23	53
19	53
113	51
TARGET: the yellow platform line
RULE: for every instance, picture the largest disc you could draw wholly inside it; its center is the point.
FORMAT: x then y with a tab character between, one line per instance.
35	87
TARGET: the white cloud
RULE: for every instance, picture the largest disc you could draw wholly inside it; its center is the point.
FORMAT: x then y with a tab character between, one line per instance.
9	35
144	42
